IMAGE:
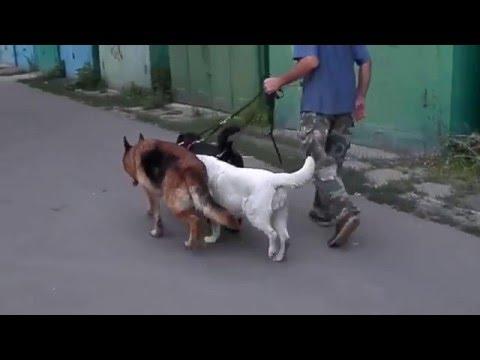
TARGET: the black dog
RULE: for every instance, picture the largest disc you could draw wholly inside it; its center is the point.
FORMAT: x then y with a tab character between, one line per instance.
223	150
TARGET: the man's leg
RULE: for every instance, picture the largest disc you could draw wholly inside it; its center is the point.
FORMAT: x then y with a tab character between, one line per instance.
331	199
338	142
310	145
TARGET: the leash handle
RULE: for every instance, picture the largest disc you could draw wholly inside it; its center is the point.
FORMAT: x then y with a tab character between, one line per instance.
270	98
279	94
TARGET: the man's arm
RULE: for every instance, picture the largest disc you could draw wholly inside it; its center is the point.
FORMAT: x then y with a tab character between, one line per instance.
363	60
304	67
364	76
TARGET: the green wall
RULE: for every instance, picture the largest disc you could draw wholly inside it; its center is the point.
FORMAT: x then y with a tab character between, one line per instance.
287	109
222	77
418	94
48	57
465	113
408	105
159	57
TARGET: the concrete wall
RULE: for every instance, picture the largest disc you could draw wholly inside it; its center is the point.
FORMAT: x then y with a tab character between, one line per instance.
122	65
7	54
25	57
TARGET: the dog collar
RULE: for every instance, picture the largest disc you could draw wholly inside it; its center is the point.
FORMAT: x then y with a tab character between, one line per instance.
193	143
221	154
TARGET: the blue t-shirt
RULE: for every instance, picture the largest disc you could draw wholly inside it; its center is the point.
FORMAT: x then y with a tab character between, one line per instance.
331	88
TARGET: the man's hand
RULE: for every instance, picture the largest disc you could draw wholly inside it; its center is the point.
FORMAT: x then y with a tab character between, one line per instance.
304	67
359	113
272	85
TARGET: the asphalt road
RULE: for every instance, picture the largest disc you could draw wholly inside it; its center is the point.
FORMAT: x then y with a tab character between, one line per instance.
74	237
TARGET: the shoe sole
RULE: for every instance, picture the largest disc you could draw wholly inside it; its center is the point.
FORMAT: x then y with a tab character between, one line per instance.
345	232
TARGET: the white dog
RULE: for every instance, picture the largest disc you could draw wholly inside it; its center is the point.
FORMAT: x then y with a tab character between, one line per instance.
258	194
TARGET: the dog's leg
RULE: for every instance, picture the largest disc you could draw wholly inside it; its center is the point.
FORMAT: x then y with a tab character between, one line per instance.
260	216
151	203
262	223
272	243
216	230
279	222
157	230
194	239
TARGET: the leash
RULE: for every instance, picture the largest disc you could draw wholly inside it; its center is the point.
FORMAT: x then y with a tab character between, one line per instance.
270	100
213	129
271	106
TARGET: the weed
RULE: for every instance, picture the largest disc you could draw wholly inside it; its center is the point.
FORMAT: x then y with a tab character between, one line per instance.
89	79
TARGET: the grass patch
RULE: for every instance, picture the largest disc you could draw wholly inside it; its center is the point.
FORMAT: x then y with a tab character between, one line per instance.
132	96
471	229
55	73
63	88
356	182
394	200
458	163
89	79
162	83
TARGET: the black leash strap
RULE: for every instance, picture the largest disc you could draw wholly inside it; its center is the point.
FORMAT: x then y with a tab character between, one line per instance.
270	100
215	128
271	105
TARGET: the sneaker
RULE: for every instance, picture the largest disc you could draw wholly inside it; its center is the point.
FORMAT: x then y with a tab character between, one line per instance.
347	223
321	220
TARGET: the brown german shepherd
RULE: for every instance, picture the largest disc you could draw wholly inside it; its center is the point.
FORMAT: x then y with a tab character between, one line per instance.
174	174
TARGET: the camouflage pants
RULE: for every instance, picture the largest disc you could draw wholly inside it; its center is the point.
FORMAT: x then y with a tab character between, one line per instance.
327	139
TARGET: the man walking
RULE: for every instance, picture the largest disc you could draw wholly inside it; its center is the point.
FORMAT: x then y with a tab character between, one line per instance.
331	102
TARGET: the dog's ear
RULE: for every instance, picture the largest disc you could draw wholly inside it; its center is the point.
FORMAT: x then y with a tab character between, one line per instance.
140	137
126	145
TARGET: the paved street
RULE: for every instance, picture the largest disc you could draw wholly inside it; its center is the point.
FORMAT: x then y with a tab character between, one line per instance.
74	237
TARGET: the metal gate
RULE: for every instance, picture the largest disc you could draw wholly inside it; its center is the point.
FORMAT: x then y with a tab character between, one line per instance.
25	57
7	54
222	77
77	56
48	57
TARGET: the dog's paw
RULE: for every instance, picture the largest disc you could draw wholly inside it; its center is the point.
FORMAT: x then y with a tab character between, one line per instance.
279	257
272	252
194	245
156	233
210	239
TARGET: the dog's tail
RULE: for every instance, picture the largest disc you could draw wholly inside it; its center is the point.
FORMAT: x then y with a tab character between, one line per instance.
203	202
223	136
298	178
